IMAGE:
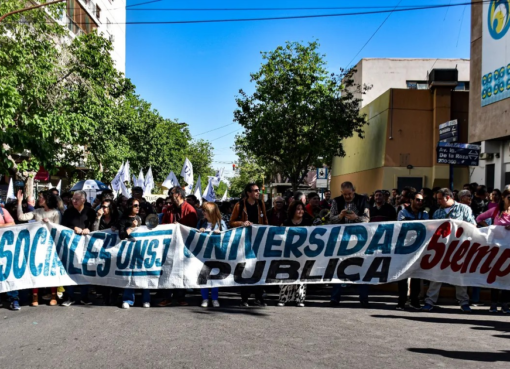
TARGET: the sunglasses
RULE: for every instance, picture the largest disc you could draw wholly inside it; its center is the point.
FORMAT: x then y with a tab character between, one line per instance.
257	190
279	202
418	200
104	207
136	206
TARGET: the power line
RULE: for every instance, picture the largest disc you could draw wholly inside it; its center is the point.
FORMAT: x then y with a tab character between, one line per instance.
295	17
217	138
275	9
147	2
203	133
371	37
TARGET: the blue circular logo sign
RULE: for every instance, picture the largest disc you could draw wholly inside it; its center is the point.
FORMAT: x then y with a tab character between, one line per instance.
498	18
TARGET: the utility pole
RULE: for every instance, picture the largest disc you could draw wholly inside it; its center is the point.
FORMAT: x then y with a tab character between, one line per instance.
29	8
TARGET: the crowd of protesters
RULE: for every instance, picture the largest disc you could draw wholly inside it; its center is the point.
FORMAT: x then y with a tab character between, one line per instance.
474	204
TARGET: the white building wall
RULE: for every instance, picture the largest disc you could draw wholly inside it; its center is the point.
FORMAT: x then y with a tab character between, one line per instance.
499	148
386	73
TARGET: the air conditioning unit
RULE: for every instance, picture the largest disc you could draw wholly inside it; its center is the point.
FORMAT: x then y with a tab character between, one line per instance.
444	77
486	156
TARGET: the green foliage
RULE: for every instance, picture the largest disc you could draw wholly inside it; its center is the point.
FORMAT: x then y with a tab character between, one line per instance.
64	101
298	114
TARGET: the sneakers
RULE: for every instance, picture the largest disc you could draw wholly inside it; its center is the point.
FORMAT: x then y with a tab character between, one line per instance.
427	307
505	309
215	303
204	304
465	308
300	304
281	304
125	305
146	305
400	307
35	300
14	305
86	302
493	308
244	304
68	302
259	303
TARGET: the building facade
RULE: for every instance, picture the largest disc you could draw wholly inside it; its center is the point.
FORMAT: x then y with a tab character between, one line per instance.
385	73
107	17
489	113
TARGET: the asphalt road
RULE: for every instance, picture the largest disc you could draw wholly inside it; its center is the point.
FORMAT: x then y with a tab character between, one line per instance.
316	336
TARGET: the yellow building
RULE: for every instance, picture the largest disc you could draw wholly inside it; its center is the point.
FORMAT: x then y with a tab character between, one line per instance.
399	147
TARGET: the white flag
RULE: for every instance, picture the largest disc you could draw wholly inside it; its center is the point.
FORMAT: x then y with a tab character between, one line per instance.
224	198
217	177
187	172
134	181
198	190
59	187
119	177
124	190
209	194
171	181
10	191
149	182
126	174
141	181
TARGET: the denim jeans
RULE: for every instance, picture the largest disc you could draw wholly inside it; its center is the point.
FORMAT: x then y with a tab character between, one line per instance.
13	295
84	290
205	293
129	296
336	293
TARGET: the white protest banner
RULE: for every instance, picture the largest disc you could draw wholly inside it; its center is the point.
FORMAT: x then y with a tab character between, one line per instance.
10	191
171	181
118	178
126	174
198	190
173	256
187	172
209	193
149	182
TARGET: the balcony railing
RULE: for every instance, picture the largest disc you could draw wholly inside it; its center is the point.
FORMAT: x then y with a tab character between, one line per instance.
73	27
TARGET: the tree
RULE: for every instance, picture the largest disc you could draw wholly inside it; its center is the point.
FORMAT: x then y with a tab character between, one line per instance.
298	114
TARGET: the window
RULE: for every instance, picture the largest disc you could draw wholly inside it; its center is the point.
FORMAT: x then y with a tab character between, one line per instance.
417	85
98	12
462	86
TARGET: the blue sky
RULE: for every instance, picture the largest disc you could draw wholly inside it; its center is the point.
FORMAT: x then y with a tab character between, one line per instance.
194	71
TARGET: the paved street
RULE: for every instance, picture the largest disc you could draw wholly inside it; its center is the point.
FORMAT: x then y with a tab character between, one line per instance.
230	337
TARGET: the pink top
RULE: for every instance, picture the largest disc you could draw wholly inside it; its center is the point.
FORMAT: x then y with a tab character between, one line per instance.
492	205
502	220
7	218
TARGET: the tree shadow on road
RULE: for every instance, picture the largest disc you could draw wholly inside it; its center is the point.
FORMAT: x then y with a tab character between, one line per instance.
488	357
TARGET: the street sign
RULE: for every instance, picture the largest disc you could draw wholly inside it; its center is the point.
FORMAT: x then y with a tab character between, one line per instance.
449	132
322	178
458	153
322	173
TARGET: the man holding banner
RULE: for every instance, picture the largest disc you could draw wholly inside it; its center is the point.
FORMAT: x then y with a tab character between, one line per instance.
449	209
349	208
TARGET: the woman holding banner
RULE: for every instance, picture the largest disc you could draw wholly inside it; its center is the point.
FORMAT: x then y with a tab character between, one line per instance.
129	221
500	216
294	292
211	222
47	212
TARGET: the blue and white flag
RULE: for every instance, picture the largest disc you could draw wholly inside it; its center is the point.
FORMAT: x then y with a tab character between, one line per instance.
198	190
187	172
209	193
171	181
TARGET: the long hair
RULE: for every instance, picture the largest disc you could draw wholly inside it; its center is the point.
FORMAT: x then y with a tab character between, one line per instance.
50	199
293	207
502	202
211	209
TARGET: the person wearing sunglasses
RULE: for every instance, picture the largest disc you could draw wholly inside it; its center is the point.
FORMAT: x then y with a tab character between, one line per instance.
129	221
106	216
500	216
414	211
